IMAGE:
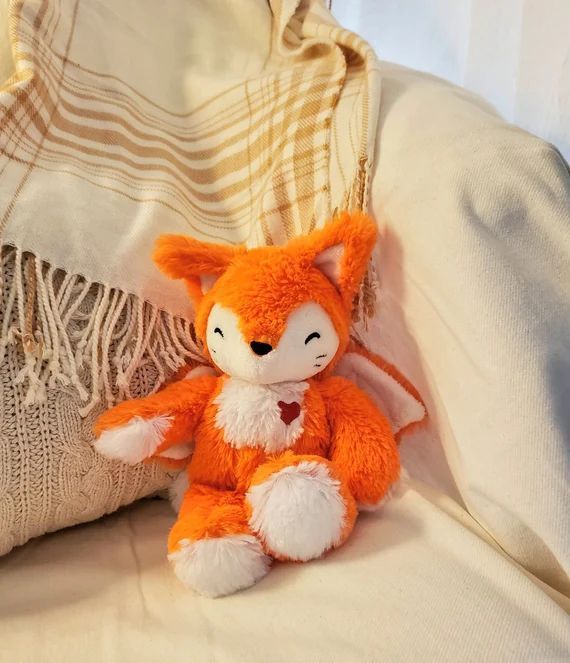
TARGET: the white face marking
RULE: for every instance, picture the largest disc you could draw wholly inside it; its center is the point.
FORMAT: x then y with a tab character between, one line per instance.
307	345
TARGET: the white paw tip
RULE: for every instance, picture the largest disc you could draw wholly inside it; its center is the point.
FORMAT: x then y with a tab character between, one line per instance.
220	566
133	442
299	511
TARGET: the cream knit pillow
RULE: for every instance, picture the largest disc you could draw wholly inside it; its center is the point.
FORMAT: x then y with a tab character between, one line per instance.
50	477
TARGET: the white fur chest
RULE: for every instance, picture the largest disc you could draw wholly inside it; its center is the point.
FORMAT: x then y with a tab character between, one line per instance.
257	415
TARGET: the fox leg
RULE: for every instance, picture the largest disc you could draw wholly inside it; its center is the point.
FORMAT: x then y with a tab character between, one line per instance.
299	507
211	546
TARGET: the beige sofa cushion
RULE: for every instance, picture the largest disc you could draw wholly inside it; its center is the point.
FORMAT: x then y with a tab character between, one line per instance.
413	583
475	307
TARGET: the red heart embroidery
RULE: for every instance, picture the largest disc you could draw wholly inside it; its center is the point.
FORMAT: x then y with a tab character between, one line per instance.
289	411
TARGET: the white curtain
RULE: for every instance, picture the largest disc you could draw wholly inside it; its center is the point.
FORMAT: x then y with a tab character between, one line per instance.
515	53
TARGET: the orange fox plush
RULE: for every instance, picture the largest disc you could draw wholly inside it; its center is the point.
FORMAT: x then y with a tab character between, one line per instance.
285	453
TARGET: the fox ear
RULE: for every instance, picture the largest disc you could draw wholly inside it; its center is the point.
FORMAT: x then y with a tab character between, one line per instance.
341	251
198	263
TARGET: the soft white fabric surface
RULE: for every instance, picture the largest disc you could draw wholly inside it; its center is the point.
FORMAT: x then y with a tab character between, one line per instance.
475	307
412	584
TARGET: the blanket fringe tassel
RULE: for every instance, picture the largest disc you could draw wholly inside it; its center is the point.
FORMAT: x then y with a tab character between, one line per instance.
83	334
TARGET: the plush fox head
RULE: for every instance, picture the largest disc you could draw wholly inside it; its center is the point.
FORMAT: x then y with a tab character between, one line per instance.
274	314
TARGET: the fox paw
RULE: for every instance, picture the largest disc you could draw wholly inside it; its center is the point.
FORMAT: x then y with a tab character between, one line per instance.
220	566
135	441
299	512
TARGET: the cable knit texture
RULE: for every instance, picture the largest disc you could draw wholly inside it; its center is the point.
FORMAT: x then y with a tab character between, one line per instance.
50	476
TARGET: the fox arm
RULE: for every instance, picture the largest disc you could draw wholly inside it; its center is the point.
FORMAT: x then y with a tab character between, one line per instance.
138	429
363	447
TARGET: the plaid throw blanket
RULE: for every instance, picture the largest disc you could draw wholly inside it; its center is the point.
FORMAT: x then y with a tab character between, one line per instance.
234	122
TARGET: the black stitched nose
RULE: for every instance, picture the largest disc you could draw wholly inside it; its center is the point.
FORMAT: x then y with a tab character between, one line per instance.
260	348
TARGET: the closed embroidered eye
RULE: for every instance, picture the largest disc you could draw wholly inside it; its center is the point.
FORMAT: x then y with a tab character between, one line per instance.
310	337
217	330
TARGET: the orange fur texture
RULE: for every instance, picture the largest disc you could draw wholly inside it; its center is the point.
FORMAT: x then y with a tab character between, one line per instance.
343	433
